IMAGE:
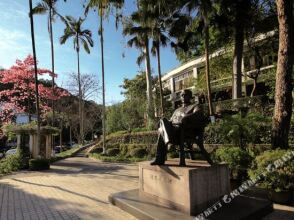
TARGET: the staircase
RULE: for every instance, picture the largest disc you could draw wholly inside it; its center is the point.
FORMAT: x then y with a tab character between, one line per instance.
84	150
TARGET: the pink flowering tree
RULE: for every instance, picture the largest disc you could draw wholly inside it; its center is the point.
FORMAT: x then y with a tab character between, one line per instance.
17	90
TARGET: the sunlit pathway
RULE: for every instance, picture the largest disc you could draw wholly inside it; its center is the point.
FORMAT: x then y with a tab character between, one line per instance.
75	188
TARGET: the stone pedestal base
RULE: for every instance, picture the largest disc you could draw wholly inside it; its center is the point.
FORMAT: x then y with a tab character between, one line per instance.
189	189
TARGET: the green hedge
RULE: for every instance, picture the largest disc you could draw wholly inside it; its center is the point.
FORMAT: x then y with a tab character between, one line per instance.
13	163
39	164
118	158
148	137
126	142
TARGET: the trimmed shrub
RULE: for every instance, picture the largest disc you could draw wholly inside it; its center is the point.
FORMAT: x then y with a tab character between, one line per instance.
277	179
138	152
112	151
237	159
39	164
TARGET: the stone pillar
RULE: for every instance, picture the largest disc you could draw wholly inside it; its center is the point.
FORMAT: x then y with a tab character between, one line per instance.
195	72
48	146
18	136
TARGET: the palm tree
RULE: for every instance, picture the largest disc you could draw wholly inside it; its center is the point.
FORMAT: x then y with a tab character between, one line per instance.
203	7
43	7
36	72
154	18
102	7
139	31
80	36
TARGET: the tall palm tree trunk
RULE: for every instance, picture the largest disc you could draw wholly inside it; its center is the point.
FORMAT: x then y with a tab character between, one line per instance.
53	71
207	71
159	79
103	85
52	63
80	94
36	74
283	97
150	109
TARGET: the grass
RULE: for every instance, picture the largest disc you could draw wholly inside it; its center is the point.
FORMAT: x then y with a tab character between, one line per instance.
65	154
118	158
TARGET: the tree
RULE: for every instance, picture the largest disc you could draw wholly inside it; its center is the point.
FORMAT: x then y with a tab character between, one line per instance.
243	18
19	85
102	7
43	7
80	36
154	14
202	8
35	72
90	89
283	90
139	31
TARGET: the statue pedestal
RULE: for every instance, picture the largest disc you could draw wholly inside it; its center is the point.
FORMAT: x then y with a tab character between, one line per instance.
172	192
189	189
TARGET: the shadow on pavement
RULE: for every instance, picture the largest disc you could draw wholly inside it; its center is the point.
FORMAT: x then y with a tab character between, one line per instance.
18	204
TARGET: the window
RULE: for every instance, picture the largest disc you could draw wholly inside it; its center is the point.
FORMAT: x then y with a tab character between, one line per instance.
183	81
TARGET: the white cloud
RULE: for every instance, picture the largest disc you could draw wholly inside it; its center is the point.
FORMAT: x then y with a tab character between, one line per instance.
14	44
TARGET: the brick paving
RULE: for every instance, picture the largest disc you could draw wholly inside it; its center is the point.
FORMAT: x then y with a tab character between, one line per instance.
75	188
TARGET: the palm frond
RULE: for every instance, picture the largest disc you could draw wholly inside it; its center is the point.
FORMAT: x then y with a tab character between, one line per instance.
85	45
140	59
41	8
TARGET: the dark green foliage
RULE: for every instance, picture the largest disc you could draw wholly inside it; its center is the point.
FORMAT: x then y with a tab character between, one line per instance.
173	154
237	159
279	179
14	162
147	138
130	145
118	158
11	163
138	152
112	152
253	128
39	164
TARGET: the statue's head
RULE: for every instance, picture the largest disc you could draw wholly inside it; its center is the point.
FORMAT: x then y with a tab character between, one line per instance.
186	96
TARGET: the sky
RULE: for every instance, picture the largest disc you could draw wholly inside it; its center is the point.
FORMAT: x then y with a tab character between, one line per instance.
15	43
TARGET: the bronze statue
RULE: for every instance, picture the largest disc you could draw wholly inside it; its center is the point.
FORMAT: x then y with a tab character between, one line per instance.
185	127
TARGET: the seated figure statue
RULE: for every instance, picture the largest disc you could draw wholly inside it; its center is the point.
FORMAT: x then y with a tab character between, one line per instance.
187	123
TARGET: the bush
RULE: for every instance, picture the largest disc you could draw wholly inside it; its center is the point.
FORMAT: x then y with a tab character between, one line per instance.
10	163
173	153
240	131
138	152
237	159
112	151
98	150
279	179
39	164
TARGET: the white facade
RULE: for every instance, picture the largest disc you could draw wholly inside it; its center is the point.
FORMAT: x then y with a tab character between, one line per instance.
181	77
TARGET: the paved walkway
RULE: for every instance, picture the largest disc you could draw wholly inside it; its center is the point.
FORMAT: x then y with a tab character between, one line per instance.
75	188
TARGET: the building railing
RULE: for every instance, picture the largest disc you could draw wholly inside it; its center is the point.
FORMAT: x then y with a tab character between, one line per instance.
259	103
